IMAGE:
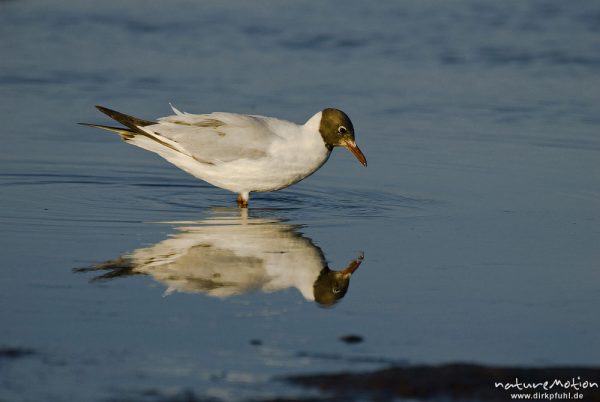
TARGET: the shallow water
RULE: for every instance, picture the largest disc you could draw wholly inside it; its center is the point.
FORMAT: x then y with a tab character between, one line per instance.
477	216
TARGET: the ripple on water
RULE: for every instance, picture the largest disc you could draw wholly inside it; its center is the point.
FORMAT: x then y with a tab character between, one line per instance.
64	200
314	202
58	200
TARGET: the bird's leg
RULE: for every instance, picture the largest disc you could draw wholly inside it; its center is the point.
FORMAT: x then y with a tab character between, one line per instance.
242	200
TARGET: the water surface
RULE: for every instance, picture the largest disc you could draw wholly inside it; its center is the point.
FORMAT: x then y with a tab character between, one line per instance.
477	216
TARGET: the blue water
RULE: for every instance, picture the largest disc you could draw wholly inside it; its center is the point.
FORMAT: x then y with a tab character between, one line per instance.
478	214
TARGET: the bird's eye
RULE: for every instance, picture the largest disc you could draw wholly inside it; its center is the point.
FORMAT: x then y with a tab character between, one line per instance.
342	130
336	290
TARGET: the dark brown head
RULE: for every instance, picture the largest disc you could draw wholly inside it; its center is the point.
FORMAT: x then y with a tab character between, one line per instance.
331	286
337	131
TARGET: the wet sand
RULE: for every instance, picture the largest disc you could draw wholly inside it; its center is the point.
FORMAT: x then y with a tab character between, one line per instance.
456	382
447	382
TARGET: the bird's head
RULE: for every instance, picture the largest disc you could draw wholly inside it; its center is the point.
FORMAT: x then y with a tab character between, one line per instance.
331	286
337	131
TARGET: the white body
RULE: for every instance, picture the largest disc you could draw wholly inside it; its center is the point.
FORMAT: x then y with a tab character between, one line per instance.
231	257
237	152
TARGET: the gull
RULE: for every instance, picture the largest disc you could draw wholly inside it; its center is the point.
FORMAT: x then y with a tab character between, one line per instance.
227	256
237	152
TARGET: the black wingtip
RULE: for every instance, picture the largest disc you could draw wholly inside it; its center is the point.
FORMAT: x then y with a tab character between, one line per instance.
105	110
109	112
128	121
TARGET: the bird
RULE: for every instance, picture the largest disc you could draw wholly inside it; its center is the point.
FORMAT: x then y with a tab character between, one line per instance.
237	152
228	255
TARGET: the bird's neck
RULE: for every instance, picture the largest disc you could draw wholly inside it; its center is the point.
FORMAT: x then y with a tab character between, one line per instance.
314	123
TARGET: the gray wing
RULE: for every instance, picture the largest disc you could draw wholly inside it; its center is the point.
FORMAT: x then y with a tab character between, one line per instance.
217	137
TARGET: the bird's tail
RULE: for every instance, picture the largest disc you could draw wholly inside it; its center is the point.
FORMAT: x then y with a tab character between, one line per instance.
120	267
131	122
137	133
125	133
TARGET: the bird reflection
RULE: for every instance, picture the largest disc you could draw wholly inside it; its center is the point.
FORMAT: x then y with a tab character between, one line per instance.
231	254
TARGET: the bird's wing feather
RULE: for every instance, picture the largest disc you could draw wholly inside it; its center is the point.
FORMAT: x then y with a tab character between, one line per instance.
217	137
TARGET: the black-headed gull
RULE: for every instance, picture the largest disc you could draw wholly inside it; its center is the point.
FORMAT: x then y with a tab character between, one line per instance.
240	153
228	256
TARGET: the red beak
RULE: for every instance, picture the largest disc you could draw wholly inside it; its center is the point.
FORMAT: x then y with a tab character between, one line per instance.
351	146
349	270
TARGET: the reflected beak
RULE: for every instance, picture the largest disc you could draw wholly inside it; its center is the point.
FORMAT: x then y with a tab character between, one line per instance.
353	266
351	146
